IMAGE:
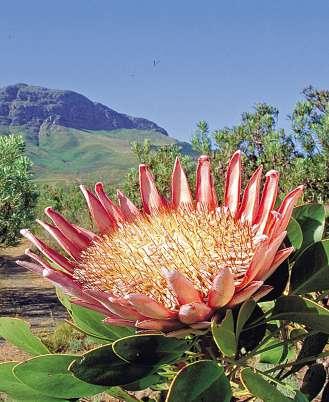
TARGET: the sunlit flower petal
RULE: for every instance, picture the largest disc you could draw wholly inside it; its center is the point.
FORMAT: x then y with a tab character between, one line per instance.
183	288
245	293
148	307
108	204
103	220
222	289
128	209
194	312
205	194
250	201
233	184
159	325
151	199
180	190
267	201
49	252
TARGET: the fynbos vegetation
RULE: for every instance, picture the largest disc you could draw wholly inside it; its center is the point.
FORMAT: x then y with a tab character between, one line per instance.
17	192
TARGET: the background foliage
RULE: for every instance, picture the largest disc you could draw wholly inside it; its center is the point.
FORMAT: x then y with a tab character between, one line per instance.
300	154
18	194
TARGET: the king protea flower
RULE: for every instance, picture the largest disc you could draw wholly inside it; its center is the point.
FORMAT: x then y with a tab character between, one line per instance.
176	262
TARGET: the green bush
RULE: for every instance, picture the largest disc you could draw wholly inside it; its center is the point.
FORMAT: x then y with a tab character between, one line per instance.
17	192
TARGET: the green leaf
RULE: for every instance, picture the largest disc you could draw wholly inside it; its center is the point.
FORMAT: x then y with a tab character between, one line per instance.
311	218
295	234
18	391
18	333
49	374
121	395
326	210
300	397
150	349
245	312
275	355
90	322
144	383
102	366
224	336
261	388
303	311
204	380
310	272
63	298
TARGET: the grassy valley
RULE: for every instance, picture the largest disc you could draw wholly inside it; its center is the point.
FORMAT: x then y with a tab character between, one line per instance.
66	154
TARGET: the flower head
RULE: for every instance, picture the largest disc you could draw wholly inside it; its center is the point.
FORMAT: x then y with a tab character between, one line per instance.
175	262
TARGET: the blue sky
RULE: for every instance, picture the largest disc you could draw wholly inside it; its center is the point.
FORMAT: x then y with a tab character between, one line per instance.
216	59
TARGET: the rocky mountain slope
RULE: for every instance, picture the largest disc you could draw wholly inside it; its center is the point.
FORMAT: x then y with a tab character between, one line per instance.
35	108
69	137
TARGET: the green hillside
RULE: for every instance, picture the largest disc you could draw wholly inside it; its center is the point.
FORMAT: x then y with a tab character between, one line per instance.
66	154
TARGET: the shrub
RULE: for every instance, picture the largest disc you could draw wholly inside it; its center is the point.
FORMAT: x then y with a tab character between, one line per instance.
17	192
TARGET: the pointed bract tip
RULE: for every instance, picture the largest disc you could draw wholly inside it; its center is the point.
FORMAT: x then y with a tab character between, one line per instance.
24	232
203	158
273	173
142	167
48	210
236	157
99	186
177	164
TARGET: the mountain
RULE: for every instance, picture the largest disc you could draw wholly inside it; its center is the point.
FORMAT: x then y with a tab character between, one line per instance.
34	107
70	137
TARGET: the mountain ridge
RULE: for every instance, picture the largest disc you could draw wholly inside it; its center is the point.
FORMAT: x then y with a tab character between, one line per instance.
35	108
65	138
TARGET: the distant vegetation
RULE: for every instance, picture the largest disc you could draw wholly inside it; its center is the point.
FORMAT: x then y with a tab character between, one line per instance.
300	155
67	154
64	154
